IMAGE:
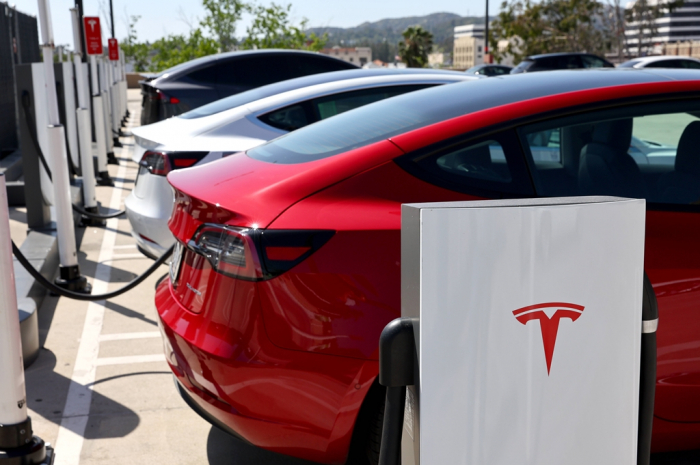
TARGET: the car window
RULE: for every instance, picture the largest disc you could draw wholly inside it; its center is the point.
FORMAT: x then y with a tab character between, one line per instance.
498	70
301	114
590	61
491	167
252	71
332	105
664	64
690	64
304	65
644	151
522	66
289	118
629	64
568	62
205	76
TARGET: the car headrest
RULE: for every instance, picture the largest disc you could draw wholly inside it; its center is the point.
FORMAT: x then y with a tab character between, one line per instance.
616	134
688	153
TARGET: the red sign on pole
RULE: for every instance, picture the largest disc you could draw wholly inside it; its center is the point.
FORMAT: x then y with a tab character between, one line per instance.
113	47
93	35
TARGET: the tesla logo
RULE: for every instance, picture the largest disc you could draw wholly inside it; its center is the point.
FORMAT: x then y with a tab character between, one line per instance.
92	23
196	291
549	315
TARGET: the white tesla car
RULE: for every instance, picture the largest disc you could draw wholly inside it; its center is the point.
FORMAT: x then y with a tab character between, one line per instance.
662	61
244	121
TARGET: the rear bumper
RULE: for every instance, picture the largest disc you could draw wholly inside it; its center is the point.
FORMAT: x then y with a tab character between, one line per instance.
295	403
149	217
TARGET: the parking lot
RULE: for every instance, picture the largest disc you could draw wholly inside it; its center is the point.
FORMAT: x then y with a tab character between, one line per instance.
101	391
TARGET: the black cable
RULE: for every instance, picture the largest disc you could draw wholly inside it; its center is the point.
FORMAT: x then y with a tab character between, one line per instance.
78	296
42	159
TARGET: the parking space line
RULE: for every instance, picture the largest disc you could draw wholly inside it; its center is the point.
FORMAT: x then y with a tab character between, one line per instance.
129	359
129	255
127	246
126	336
77	408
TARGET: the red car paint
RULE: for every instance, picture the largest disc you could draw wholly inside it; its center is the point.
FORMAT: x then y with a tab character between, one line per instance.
287	362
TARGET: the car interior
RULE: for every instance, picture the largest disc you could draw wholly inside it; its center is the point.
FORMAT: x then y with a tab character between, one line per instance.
620	157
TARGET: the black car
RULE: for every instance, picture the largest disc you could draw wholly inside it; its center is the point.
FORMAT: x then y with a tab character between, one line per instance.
204	80
552	61
485	69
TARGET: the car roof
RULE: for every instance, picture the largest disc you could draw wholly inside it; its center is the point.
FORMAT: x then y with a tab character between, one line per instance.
652	59
559	54
197	62
258	93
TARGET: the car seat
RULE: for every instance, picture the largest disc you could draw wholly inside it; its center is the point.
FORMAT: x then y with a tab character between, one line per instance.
605	167
683	184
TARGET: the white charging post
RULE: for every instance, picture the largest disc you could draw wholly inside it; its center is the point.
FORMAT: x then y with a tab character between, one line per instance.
17	442
521	335
69	270
107	107
84	129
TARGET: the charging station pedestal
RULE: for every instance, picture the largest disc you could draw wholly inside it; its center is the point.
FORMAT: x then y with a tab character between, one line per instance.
520	335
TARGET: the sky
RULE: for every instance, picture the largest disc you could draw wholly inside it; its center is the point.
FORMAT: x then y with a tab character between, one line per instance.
162	17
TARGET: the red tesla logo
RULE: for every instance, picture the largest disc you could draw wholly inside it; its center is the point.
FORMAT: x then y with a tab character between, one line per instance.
549	325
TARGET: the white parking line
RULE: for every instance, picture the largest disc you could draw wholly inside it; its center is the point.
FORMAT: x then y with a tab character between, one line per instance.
129	359
126	336
127	246
129	255
77	409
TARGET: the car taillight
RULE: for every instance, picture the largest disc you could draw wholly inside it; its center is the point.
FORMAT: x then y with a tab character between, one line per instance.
161	163
156	162
255	254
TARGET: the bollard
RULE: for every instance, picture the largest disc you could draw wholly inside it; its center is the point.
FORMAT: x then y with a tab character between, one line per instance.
98	112
111	160
84	129
69	270
17	443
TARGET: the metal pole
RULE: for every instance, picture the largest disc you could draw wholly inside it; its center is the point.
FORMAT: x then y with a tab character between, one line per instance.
487	58
16	441
81	12
83	117
111	17
69	270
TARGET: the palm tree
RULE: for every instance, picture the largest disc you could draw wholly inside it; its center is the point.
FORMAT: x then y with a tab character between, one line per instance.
417	43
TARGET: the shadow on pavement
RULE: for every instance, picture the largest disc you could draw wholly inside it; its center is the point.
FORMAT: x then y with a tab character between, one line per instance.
46	396
224	449
127	312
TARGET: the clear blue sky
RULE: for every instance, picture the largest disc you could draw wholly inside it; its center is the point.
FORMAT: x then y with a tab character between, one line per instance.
161	17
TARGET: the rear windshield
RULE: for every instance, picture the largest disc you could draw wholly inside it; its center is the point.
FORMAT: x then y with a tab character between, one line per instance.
363	126
629	64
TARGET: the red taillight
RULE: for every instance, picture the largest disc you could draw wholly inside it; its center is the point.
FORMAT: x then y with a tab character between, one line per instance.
255	254
161	163
184	162
230	251
156	163
174	100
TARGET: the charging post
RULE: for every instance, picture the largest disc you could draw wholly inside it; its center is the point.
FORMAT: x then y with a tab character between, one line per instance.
84	129
113	54
17	442
69	270
520	336
93	47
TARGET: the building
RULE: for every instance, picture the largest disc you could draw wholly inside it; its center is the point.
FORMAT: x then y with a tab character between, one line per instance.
470	30
359	56
468	52
683	25
437	59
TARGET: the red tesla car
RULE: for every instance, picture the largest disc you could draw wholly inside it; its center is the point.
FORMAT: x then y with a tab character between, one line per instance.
288	256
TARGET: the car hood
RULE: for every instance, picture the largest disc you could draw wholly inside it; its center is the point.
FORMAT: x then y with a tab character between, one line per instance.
242	191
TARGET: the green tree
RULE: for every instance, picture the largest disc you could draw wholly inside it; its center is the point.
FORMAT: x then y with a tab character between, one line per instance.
415	47
179	48
136	53
546	27
272	28
221	19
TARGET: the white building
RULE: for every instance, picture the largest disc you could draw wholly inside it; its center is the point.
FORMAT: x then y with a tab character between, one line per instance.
683	25
359	56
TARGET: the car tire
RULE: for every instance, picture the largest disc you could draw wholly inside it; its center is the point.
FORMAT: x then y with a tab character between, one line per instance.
367	435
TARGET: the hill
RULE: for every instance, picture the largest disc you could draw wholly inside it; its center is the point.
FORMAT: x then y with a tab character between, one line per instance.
384	35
